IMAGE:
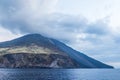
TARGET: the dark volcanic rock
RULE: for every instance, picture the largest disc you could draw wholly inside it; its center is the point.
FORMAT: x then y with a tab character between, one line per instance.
26	60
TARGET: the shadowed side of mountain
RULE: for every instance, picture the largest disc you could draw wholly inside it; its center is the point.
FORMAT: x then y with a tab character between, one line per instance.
80	57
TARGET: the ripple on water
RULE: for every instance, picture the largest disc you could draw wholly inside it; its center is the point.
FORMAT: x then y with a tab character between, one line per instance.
59	74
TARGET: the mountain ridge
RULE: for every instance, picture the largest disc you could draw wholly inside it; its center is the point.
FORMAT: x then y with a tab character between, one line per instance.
50	46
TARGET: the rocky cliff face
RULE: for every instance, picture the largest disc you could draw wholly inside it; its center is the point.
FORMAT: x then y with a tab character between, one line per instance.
28	60
36	51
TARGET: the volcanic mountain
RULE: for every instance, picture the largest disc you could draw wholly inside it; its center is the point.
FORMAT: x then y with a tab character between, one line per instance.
37	51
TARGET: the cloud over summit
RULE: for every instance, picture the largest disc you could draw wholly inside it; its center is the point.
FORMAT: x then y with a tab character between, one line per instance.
37	16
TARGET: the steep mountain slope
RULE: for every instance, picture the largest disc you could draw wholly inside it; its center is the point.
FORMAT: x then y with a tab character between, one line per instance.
34	50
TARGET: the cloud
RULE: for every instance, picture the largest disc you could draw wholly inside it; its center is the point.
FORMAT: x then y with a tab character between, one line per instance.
99	27
10	35
24	11
116	38
38	16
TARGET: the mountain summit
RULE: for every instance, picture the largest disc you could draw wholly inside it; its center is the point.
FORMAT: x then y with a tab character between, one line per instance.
37	51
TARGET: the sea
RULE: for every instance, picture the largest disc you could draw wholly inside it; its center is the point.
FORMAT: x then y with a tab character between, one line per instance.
59	74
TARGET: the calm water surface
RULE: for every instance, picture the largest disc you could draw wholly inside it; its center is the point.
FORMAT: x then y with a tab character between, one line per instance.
59	74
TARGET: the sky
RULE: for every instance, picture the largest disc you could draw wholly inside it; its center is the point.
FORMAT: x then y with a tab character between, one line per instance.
89	26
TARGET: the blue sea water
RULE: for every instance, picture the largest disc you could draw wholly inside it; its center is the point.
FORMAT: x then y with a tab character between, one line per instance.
59	74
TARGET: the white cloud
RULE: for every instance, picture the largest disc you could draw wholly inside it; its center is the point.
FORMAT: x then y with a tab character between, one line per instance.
116	64
6	35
